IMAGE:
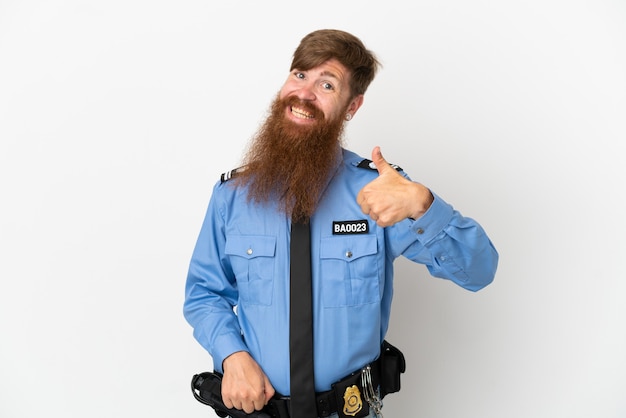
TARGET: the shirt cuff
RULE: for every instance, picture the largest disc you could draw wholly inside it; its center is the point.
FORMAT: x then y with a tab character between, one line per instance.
432	223
224	346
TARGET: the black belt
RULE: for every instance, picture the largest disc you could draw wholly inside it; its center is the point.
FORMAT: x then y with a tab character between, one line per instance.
347	397
341	398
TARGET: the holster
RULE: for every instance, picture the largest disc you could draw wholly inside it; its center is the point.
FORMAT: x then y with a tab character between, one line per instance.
207	389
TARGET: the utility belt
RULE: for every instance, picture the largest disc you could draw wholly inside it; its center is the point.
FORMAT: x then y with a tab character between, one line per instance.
352	396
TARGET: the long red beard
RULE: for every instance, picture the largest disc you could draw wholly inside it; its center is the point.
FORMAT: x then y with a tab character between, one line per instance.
292	164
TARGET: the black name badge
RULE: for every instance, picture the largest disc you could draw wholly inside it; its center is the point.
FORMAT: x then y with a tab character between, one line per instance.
351	227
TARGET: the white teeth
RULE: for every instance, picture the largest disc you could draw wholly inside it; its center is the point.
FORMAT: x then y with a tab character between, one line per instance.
301	113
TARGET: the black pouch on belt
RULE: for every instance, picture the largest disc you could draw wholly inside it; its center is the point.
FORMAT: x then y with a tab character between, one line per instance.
392	364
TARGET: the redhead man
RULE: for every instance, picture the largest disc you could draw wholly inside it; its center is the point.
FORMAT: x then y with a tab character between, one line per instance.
361	213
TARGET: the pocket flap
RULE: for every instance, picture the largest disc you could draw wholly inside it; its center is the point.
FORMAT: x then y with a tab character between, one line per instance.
348	248
250	246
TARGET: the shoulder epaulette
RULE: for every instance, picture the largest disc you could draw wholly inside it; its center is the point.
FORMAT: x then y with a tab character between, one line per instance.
230	174
365	163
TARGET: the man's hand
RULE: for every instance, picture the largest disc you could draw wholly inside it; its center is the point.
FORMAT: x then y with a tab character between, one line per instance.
391	197
244	385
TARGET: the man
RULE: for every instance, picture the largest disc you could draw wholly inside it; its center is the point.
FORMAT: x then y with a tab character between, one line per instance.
362	215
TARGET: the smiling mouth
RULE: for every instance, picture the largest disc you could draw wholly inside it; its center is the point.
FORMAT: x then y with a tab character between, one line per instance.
301	113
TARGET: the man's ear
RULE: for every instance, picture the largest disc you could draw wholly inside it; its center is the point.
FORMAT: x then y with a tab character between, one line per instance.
355	104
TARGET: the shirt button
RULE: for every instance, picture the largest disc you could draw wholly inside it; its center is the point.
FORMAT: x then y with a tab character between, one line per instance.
420	231
349	254
249	252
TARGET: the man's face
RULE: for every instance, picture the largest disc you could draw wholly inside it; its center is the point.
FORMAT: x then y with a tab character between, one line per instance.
297	149
318	94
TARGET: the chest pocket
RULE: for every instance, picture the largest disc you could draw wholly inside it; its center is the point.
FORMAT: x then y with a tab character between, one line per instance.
253	261
349	270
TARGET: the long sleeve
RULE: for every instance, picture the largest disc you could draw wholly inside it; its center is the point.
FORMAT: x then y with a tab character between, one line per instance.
451	246
211	291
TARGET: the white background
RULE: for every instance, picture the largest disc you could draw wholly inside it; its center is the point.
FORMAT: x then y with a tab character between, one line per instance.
116	118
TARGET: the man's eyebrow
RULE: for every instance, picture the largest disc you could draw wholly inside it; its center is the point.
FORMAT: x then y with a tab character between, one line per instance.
327	73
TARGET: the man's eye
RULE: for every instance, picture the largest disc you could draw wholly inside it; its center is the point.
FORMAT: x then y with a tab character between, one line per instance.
327	86
300	75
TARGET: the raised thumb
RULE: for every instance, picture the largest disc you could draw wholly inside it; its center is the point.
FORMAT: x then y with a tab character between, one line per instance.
379	161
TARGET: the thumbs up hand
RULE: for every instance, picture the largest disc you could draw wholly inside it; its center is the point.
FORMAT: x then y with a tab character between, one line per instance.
391	197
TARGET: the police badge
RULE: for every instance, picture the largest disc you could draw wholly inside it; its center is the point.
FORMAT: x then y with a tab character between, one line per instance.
352	401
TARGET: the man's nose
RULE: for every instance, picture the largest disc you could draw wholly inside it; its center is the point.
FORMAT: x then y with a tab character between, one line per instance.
306	92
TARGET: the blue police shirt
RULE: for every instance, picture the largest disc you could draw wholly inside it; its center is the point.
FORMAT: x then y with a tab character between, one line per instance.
237	290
